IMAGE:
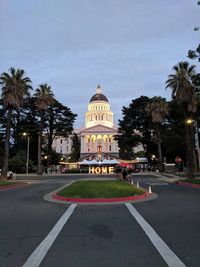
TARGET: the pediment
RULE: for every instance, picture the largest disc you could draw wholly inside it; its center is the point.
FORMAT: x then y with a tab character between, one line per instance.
98	129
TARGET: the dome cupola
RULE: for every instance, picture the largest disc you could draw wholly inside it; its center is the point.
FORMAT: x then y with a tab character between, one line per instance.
99	111
98	96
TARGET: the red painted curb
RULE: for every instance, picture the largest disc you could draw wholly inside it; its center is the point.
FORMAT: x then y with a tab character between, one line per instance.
188	184
100	200
11	186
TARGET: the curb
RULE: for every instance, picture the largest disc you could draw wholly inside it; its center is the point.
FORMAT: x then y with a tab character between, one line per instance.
5	187
100	200
188	184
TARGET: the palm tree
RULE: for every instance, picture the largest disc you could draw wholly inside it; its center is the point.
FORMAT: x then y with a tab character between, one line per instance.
44	97
158	109
183	91
15	89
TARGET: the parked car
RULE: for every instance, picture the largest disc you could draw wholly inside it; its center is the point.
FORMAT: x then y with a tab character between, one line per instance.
10	174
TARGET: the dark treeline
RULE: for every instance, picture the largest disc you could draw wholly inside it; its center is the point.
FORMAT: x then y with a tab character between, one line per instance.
27	113
166	128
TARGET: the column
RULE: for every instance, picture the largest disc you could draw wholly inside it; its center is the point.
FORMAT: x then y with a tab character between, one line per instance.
82	144
90	144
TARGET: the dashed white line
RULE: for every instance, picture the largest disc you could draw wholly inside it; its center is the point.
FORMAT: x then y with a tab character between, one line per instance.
39	253
168	255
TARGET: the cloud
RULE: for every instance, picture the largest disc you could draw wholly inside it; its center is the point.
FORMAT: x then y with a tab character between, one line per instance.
129	47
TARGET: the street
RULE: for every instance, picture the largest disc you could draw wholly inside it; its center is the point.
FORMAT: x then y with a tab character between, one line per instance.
100	235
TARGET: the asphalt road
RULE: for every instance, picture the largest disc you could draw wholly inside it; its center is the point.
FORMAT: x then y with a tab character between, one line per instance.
99	235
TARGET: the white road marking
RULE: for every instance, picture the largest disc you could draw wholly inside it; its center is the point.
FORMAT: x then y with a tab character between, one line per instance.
168	255
157	183
39	253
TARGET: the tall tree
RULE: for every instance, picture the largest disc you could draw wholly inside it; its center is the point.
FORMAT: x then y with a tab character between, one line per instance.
76	147
172	133
59	121
158	109
135	128
15	89
44	98
183	91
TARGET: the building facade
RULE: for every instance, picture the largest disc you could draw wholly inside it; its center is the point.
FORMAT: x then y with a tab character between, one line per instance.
97	137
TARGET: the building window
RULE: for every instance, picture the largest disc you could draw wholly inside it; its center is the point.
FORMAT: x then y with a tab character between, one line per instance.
60	149
110	148
67	148
61	141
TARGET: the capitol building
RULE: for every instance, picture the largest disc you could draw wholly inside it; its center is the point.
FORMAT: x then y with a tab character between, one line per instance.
97	136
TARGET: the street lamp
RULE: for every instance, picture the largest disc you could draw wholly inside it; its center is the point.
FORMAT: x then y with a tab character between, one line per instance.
196	138
27	154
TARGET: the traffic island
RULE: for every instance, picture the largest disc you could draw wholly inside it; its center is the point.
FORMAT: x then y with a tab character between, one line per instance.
100	192
194	183
4	184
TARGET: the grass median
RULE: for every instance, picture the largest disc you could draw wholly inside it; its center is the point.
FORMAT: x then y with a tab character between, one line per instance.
100	189
6	183
192	181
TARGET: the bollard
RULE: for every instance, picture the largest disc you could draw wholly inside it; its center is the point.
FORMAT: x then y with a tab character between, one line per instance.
131	181
138	184
150	192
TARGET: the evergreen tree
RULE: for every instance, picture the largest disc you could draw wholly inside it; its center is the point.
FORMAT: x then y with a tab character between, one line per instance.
158	109
76	147
44	98
135	128
184	93
15	89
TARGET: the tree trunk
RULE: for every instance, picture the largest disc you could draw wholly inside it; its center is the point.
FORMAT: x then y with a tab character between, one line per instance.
191	165
50	136
160	162
39	168
6	147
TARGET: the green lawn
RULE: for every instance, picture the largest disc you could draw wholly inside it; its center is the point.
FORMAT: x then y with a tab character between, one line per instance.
192	181
5	183
100	189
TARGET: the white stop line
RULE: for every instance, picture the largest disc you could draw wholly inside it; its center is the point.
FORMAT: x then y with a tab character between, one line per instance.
167	254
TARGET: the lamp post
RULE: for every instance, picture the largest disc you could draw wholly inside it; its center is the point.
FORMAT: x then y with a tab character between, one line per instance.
196	138
27	154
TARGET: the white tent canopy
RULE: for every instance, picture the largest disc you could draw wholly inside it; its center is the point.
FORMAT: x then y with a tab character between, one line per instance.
105	161
114	161
142	160
110	161
95	162
84	162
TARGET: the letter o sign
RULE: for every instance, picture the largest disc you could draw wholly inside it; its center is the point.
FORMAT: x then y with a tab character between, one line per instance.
98	170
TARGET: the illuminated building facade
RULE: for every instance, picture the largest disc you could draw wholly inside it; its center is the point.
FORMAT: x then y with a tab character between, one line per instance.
97	137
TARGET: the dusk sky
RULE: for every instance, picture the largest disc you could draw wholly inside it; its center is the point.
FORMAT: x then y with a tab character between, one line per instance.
127	46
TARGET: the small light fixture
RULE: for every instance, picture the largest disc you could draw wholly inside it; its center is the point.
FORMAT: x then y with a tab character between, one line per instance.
189	121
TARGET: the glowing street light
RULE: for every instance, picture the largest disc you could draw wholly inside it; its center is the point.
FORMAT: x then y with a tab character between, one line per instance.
196	137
